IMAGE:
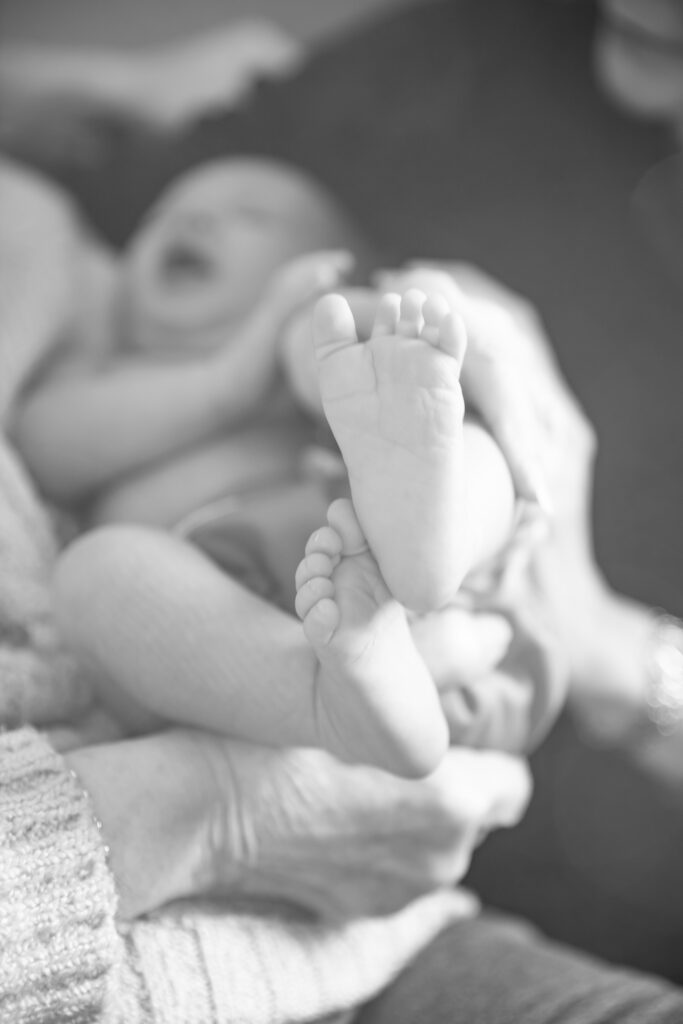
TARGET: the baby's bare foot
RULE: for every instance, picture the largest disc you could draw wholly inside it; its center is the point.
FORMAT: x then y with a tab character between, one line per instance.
375	700
395	407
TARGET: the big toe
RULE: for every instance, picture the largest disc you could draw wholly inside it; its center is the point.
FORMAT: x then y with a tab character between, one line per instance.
321	621
334	326
342	518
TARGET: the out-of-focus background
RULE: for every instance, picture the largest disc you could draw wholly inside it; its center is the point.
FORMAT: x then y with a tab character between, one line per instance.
138	23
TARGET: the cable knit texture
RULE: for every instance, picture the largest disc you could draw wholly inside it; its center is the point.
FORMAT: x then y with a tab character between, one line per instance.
57	899
62	959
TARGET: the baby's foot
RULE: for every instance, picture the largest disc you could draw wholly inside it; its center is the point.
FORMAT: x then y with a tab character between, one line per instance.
375	700
396	409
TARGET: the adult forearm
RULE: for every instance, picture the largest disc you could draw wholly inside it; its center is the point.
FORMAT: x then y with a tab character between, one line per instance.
153	797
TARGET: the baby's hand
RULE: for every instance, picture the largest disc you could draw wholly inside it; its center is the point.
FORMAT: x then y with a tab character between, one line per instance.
302	280
293	287
249	358
296	288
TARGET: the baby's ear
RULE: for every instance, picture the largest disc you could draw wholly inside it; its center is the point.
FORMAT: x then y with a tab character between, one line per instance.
297	359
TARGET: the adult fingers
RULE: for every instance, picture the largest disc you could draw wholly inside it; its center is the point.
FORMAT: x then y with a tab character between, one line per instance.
498	382
460	645
492	712
483	789
512	708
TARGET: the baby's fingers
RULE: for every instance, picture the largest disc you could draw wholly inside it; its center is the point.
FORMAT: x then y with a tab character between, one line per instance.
308	276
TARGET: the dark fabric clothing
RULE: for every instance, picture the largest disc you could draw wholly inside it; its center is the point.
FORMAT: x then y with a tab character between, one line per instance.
496	971
470	129
596	862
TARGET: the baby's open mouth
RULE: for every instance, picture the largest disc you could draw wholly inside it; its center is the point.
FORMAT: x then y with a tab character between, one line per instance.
184	263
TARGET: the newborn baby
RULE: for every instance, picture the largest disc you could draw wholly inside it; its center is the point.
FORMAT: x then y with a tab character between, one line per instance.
175	345
183	402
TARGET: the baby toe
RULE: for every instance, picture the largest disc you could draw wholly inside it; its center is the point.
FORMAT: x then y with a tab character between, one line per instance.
315	564
453	336
435	309
321	622
311	593
334	326
342	518
327	540
387	315
411	321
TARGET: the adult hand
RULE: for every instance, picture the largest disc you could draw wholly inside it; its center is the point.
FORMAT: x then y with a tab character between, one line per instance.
187	813
509	376
512	377
500	675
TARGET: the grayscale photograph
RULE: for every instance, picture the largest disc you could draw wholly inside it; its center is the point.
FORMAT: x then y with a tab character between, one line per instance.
341	511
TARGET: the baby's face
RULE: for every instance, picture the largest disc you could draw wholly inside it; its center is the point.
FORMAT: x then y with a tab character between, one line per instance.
201	260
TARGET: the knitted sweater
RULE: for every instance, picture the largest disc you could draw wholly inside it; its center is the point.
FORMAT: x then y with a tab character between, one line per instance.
63	955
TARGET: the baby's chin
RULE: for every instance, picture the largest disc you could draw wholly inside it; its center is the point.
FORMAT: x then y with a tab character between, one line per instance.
165	321
165	339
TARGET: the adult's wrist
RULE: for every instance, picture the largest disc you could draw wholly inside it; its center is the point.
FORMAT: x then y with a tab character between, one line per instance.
626	697
155	798
610	676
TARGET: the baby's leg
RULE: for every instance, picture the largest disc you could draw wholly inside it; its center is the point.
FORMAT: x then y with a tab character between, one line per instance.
375	699
395	406
169	637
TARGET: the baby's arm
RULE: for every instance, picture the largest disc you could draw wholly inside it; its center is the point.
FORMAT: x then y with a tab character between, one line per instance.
90	426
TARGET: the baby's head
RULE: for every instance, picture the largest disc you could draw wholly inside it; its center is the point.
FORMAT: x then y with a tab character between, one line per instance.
201	259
